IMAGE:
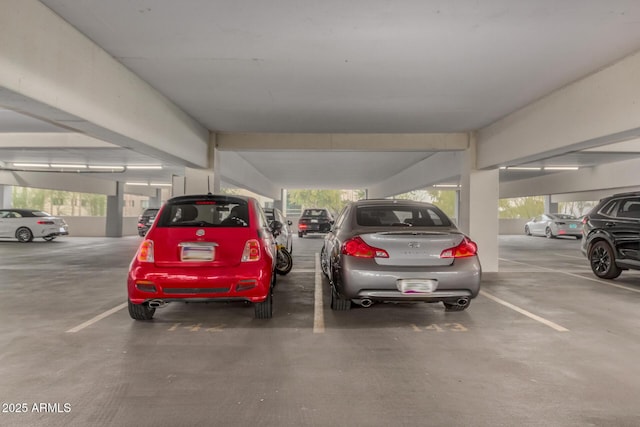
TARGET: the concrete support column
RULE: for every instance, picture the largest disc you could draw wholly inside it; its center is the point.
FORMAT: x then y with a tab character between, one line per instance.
6	196
549	206
478	210
277	204
156	201
200	181
115	209
283	196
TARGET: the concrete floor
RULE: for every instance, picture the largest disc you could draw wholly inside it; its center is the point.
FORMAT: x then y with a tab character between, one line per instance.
545	344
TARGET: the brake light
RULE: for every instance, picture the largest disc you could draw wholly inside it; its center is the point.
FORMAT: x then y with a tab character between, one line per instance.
145	253
465	249
251	251
357	247
45	222
302	226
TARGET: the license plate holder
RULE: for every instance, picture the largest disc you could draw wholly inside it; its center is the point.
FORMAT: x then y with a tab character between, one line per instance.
197	252
416	286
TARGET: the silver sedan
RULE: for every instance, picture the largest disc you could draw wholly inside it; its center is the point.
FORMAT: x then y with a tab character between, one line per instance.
399	251
554	225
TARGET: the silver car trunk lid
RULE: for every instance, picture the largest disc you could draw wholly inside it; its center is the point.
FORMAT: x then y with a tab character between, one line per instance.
414	248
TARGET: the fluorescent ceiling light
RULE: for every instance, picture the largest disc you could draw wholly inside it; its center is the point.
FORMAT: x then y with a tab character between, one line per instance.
446	185
68	166
160	184
106	167
561	168
137	183
144	167
503	167
522	168
31	165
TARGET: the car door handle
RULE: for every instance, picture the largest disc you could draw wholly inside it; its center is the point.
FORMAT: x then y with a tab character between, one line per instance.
610	224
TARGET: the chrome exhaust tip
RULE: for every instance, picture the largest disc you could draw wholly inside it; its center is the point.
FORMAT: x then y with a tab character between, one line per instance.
366	302
157	303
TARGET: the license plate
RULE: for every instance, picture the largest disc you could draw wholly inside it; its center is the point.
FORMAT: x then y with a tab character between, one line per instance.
416	286
197	252
314	220
573	225
62	230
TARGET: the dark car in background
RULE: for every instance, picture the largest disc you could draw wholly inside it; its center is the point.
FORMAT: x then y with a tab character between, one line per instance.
146	219
611	235
316	220
399	251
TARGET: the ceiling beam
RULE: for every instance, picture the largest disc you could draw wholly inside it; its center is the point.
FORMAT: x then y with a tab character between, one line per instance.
392	142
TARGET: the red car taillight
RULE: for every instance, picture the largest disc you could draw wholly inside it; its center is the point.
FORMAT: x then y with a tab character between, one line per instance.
465	249
302	226
145	253
251	251
357	247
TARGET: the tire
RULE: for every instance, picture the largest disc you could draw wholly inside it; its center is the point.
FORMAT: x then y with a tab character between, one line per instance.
324	263
602	261
300	234
24	235
337	303
141	311
455	307
49	238
548	233
284	262
264	310
527	231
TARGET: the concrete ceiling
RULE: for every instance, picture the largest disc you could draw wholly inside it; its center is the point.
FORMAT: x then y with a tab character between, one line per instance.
334	66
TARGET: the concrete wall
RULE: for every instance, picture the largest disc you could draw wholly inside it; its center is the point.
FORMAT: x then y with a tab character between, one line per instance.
95	226
512	226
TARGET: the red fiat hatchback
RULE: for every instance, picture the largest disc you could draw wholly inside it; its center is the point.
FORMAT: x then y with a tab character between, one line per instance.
204	248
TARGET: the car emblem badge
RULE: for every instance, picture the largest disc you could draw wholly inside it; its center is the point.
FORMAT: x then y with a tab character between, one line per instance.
414	244
200	232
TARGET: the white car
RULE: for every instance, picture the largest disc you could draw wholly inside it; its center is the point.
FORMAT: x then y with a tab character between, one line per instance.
25	224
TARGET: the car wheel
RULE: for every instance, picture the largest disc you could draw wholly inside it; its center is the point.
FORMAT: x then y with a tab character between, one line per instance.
49	238
338	303
24	235
549	233
324	263
264	310
602	260
141	311
300	234
527	231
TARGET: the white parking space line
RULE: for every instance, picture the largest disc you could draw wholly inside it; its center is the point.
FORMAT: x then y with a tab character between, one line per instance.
571	256
530	315
574	275
318	315
97	318
303	270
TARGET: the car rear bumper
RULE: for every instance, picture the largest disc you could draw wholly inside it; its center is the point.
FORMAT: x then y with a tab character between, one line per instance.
358	279
146	283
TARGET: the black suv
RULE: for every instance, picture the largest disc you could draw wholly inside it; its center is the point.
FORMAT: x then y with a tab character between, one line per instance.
611	234
315	220
145	220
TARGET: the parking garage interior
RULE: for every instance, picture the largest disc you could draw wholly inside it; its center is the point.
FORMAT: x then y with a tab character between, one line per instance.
501	100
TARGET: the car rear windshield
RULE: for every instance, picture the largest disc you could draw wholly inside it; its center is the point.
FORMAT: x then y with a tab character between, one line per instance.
402	216
318	213
223	212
